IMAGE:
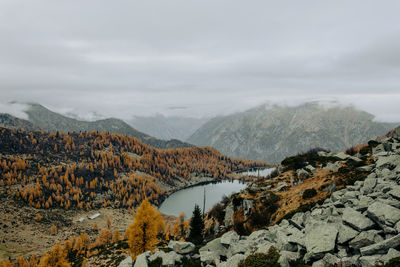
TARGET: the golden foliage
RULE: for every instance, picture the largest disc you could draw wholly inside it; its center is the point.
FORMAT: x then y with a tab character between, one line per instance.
142	233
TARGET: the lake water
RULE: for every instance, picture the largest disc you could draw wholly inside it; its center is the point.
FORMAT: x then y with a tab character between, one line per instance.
259	173
185	199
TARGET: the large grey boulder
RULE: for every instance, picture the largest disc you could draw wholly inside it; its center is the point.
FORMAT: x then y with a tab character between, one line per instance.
332	166
346	233
168	259
181	247
369	185
141	260
330	260
241	246
383	214
212	251
320	238
260	236
310	168
341	156
389	162
392	253
371	261
229	238
381	247
356	220
395	192
127	262
364	239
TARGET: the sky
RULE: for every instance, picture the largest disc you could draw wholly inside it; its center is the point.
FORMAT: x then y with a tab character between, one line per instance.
124	58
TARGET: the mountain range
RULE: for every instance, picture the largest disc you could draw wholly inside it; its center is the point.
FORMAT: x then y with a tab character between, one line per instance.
41	118
272	133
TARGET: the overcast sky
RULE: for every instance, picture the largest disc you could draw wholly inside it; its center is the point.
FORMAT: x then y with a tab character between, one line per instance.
199	58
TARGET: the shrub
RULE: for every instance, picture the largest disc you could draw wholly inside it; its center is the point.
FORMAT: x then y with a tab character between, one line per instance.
190	262
309	193
218	212
156	263
301	160
261	215
261	259
351	151
238	222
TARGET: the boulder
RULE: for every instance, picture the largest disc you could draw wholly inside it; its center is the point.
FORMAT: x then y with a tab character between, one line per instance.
212	251
366	168
141	260
341	156
171	258
332	166
168	259
371	261
181	247
240	246
310	168
229	238
356	220
260	236
319	239
383	214
330	260
364	203
381	247
389	162
392	253
369	185
364	239
280	187
395	192
127	262
346	233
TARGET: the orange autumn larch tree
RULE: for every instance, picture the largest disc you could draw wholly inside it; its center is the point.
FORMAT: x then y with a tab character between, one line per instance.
142	233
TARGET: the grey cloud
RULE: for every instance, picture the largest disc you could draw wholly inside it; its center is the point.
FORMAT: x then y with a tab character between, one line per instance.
126	58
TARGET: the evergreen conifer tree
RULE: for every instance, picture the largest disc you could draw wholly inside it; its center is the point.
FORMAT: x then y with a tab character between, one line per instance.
196	226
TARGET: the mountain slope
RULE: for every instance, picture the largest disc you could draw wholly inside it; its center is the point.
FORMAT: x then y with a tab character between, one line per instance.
273	133
167	128
9	121
49	121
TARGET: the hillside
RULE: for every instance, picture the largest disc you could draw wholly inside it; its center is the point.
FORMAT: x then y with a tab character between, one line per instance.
62	176
9	121
167	128
272	133
49	121
319	209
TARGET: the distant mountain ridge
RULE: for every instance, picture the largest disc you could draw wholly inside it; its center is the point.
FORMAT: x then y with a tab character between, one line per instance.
167	128
41	118
272	133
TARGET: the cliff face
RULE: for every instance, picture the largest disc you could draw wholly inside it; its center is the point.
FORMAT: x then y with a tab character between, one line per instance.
273	133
